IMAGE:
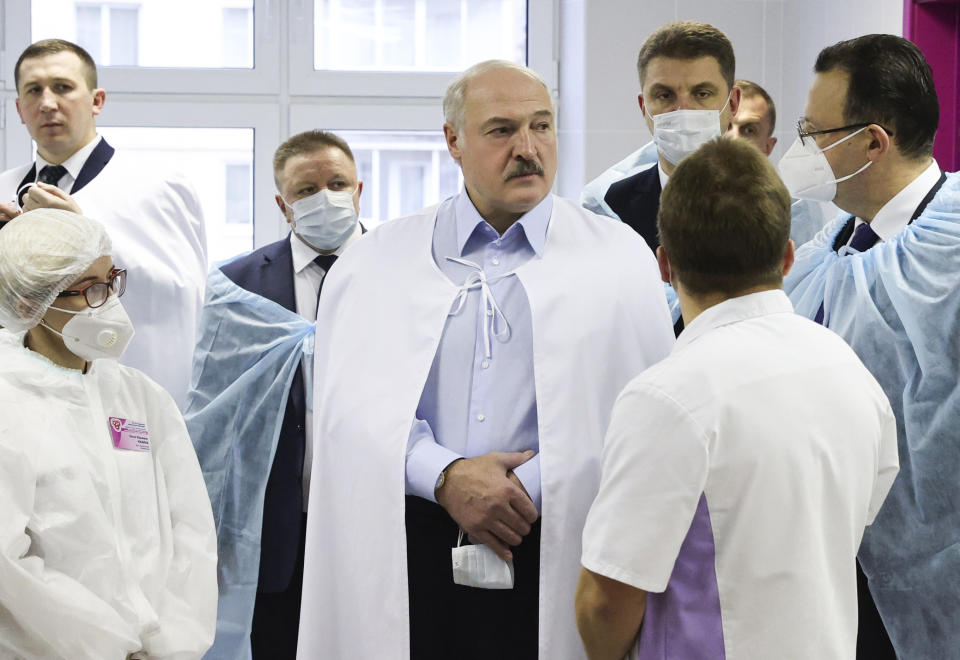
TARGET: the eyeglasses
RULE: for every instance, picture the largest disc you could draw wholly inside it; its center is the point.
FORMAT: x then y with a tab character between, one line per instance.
805	134
97	293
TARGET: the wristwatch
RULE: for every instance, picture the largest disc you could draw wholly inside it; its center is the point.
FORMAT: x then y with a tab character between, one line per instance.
442	479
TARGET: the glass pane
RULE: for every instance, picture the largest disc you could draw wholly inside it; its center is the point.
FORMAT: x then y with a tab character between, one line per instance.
177	33
88	30
124	29
417	35
402	171
204	156
239	193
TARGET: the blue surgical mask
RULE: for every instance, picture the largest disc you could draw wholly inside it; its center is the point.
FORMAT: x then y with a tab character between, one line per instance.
325	219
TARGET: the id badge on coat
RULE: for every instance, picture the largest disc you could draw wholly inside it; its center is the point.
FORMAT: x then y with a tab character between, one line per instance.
479	566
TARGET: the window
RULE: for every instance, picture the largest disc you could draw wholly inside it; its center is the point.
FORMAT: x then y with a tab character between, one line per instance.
237	37
417	35
402	171
238	180
218	161
109	33
152	33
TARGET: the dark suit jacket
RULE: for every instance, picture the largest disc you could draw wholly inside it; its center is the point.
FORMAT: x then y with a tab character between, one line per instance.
268	272
636	200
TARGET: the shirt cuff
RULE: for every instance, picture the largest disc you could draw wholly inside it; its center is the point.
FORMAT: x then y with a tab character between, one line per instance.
529	476
426	460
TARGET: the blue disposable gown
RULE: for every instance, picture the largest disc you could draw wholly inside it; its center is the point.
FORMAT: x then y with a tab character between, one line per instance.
248	350
898	306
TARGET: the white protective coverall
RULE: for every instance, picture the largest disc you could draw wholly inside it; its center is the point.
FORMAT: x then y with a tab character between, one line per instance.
599	318
156	225
103	551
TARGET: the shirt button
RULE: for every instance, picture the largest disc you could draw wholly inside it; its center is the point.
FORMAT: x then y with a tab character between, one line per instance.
481	417
485	364
496	262
489	312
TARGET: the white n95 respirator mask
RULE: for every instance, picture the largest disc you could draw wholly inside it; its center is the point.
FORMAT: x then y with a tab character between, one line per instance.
679	133
479	566
101	332
806	171
325	219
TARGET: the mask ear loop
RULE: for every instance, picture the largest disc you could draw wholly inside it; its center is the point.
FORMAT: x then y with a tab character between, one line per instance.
459	538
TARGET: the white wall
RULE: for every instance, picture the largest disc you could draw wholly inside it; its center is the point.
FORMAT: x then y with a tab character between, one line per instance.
776	43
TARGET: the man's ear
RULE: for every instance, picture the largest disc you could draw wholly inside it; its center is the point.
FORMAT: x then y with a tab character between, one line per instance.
788	256
663	261
284	209
880	142
99	99
771	143
453	141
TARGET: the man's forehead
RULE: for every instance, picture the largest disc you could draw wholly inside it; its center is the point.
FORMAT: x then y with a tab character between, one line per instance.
752	108
672	72
827	98
324	162
62	64
506	93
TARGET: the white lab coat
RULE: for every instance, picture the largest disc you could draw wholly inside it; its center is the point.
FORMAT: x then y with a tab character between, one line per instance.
599	318
156	225
103	551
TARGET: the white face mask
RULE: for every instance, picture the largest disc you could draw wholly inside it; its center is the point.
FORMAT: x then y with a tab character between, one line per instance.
679	133
325	219
102	332
806	171
479	566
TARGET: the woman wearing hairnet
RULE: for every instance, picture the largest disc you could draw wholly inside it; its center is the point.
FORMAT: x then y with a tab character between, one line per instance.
107	544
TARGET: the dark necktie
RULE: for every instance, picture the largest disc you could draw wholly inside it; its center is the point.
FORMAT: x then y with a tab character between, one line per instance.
863	239
325	261
49	174
52	174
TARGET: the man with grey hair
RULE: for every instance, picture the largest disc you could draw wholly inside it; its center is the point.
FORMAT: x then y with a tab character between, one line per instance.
462	389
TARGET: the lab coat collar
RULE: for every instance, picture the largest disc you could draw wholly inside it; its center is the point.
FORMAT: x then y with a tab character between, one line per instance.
734	310
75	163
533	223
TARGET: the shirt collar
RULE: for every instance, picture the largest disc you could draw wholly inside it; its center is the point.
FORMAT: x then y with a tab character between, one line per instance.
303	254
664	177
896	213
734	310
75	163
534	222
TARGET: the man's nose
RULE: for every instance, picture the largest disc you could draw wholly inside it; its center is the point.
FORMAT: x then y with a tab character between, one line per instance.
48	100
524	145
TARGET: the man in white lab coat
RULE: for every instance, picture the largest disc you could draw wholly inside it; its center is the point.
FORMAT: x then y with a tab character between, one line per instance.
463	385
155	220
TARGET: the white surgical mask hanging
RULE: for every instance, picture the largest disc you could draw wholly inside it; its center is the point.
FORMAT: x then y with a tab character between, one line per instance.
679	133
325	219
101	332
479	566
806	171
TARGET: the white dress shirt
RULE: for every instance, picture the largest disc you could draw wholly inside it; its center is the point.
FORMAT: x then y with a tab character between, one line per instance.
73	165
307	277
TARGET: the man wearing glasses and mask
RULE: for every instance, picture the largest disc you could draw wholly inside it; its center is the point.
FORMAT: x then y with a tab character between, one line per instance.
252	374
883	276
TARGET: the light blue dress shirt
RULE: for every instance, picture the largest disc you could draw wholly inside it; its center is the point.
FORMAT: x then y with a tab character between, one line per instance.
480	395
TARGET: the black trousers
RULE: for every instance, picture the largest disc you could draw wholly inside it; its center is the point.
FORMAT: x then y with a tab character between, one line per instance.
276	616
448	620
873	643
